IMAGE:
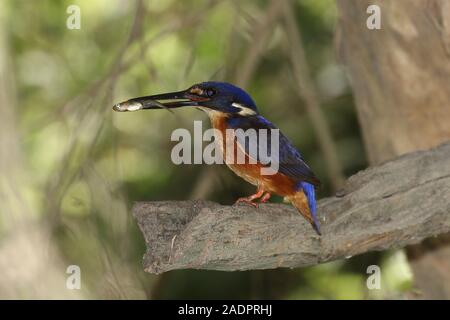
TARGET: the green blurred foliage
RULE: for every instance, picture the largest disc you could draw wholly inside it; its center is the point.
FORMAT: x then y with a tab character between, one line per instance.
87	165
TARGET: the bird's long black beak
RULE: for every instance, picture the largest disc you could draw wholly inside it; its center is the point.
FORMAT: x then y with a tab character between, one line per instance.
165	101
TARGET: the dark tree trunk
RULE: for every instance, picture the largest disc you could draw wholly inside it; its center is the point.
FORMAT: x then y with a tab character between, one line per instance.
400	76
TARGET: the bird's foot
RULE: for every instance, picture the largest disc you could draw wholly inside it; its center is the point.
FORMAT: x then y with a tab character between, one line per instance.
265	198
250	199
246	200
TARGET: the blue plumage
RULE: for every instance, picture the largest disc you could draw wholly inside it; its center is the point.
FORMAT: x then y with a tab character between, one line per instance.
309	191
227	91
291	163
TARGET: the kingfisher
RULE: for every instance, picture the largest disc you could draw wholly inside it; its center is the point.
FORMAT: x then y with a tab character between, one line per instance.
230	107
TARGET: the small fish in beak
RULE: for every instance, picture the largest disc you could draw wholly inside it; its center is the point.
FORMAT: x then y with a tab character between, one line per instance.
159	101
135	105
128	106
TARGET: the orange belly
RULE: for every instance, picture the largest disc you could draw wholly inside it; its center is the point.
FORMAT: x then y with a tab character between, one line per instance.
277	183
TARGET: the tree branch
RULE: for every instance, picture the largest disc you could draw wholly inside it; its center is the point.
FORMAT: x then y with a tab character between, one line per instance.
398	203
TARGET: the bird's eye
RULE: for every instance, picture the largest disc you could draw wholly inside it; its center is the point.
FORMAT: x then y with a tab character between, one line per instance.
210	92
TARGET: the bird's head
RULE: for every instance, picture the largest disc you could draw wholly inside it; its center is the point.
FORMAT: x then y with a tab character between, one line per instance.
208	96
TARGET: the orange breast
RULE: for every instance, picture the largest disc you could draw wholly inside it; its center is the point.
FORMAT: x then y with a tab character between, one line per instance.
277	183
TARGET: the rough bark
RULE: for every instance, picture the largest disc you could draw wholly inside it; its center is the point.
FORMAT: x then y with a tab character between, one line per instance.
400	78
392	205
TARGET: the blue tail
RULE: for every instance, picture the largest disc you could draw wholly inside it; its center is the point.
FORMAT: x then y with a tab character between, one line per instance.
309	191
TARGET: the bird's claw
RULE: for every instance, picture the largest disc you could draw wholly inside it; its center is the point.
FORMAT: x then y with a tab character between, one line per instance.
246	200
250	200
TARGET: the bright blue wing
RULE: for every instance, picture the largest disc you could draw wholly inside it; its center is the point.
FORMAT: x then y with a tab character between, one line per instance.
291	163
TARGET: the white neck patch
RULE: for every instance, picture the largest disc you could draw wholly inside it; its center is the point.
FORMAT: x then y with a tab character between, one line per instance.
245	111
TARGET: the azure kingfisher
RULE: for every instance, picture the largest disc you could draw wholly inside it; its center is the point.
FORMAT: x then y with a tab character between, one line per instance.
230	107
